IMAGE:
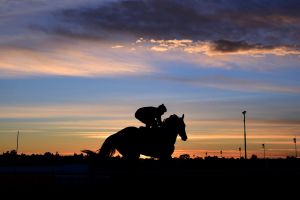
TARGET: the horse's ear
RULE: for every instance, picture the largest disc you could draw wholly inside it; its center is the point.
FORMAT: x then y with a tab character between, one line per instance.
182	116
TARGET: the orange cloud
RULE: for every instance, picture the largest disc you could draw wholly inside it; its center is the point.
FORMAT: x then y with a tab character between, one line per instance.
69	110
81	59
221	47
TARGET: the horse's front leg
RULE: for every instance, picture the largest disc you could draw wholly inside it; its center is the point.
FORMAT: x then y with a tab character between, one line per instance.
167	154
165	157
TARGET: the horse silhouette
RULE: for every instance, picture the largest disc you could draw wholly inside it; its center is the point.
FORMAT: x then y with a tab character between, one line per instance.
131	142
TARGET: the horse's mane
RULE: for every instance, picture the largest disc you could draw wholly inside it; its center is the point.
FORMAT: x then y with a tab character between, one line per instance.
170	120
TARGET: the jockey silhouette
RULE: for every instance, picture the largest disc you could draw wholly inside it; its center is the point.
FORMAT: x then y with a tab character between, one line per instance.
151	116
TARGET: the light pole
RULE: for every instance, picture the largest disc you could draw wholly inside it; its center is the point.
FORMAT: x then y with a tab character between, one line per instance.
295	141
264	147
17	142
245	143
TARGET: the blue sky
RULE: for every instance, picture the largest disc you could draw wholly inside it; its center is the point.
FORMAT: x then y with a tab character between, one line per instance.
73	72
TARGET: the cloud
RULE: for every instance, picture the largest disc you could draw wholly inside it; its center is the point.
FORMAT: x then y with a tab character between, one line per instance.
117	46
49	111
41	38
213	28
224	47
235	84
15	7
221	47
80	60
255	21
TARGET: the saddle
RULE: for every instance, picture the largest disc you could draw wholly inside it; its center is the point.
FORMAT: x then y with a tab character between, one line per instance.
150	132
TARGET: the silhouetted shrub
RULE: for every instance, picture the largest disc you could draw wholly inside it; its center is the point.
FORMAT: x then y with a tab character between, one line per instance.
253	157
184	156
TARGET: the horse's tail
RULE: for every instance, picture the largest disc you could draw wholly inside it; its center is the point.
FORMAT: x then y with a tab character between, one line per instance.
108	147
89	152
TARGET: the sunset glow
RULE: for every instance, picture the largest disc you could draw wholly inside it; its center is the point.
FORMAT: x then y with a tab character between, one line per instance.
73	72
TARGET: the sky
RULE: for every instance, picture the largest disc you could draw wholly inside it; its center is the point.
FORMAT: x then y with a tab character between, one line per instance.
73	72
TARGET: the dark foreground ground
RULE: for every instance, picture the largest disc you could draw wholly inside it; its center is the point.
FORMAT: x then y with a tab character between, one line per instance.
88	177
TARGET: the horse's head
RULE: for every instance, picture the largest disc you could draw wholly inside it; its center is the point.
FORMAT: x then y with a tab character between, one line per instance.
177	124
181	128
